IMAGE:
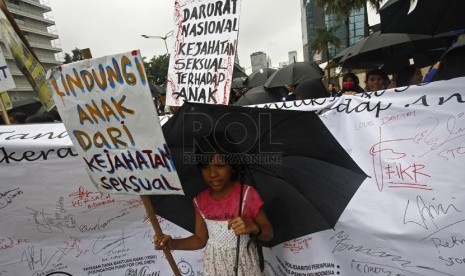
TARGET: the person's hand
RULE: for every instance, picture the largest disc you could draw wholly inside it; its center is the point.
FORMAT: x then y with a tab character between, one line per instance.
163	243
241	227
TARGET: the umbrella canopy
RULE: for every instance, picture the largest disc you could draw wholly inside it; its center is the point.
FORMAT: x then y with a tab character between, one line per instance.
311	89
258	95
157	90
452	62
304	176
238	83
259	77
428	17
294	74
393	51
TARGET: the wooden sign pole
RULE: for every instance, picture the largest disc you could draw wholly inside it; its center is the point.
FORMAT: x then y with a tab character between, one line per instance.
158	232
4	113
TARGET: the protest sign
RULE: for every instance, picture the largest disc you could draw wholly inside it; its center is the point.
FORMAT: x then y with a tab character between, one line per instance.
25	59
108	110
202	60
6	83
6	79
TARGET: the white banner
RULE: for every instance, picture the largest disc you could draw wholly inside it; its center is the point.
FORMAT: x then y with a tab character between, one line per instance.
202	61
6	79
105	104
407	218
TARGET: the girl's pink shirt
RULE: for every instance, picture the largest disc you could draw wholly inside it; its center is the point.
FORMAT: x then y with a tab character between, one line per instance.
228	207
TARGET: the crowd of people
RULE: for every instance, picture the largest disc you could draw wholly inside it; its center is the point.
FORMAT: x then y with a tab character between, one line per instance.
450	65
19	117
375	79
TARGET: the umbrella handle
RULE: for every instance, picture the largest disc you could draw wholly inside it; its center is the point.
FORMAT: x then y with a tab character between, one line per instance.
156	226
236	266
242	178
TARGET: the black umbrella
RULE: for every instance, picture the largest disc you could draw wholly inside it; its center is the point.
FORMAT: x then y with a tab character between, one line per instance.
312	89
428	17
258	95
238	83
259	77
294	74
157	90
302	173
393	51
452	62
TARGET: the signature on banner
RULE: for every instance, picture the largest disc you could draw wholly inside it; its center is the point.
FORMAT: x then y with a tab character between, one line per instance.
52	221
90	200
9	243
39	262
397	162
297	245
73	246
7	197
113	246
392	166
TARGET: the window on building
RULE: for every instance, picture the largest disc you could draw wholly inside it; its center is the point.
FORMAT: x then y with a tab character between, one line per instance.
19	19
14	2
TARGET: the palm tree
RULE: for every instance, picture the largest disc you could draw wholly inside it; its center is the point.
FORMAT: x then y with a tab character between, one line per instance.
323	37
343	8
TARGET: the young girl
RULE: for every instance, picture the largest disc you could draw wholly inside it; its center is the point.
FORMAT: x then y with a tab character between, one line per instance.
217	223
377	79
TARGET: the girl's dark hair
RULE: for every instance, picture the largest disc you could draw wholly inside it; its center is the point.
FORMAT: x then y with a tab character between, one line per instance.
352	76
40	118
19	117
378	72
217	143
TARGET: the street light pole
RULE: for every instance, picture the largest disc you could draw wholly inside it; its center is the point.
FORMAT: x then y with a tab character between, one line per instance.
168	34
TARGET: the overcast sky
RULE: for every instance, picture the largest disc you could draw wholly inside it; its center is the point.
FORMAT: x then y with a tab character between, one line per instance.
114	26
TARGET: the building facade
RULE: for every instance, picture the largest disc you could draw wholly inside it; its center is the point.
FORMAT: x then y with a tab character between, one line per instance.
356	30
292	57
35	20
314	17
259	60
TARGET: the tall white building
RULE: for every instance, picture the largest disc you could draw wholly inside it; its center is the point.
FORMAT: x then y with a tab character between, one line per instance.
36	22
259	60
292	56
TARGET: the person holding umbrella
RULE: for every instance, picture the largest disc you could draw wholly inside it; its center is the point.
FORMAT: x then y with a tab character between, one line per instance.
225	210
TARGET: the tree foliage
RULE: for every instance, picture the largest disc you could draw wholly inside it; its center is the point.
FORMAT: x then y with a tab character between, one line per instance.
343	8
323	37
74	56
157	68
